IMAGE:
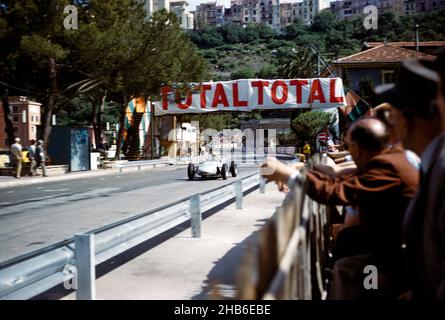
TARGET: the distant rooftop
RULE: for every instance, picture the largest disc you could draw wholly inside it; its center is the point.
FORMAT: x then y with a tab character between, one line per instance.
407	44
383	53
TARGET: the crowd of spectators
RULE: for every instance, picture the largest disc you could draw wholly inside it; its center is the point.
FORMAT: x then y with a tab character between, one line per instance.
390	180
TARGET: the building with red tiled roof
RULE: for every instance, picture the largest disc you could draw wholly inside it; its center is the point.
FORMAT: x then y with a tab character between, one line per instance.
430	47
377	65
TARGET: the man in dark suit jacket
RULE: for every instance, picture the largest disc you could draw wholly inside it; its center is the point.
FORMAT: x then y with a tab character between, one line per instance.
381	189
418	124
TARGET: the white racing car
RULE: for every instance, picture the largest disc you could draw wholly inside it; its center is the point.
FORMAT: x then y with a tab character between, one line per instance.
215	167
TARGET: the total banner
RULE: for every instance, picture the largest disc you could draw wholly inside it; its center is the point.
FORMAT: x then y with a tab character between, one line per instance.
252	94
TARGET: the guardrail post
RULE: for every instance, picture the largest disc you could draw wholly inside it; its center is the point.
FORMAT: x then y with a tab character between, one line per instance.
196	215
86	266
239	194
262	185
120	170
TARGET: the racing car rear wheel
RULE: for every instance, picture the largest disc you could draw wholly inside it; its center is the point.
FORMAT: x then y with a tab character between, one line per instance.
233	169
191	171
224	171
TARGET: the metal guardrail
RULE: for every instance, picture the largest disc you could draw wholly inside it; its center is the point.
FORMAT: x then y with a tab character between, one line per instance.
159	162
240	158
144	163
29	275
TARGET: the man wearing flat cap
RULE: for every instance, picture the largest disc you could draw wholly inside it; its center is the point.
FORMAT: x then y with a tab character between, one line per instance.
418	125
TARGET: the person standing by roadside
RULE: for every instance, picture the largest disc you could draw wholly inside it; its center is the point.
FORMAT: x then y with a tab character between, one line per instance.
40	158
16	152
31	155
307	150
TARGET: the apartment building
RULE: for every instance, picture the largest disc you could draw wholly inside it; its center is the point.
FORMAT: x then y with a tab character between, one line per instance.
350	9
155	5
423	6
306	10
244	12
286	16
270	13
26	118
178	7
234	14
209	14
185	17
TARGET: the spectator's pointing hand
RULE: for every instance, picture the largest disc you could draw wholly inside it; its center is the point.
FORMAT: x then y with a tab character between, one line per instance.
275	170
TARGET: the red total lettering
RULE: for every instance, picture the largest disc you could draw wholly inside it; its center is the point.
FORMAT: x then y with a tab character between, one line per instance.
316	92
260	85
236	101
220	96
298	89
185	105
332	97
285	90
164	92
204	88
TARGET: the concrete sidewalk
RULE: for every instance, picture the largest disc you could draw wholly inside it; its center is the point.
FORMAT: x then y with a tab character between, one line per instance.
183	267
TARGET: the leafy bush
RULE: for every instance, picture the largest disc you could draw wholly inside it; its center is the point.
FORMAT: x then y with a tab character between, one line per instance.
243	73
267	72
307	125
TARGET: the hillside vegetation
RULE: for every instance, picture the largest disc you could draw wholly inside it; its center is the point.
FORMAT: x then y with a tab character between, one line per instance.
234	52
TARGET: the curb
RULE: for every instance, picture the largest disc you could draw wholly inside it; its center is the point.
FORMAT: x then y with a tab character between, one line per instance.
70	176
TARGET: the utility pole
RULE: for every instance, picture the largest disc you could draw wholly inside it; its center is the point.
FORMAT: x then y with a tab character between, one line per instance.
417	37
318	64
8	118
152	129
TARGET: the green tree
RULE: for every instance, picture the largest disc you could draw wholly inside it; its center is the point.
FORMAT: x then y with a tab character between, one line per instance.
117	52
267	72
243	73
231	33
294	30
324	22
301	64
307	125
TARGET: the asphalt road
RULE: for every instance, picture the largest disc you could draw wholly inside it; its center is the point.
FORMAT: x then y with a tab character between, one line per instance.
34	216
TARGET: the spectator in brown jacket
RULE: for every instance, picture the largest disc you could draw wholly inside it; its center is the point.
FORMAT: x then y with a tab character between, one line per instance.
381	189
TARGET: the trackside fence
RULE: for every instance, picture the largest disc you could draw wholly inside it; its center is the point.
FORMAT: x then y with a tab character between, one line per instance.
74	260
290	259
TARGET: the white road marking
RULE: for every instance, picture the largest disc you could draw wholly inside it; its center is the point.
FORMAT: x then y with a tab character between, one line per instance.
10	192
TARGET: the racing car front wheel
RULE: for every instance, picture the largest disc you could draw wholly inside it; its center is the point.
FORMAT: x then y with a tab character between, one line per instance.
224	171
233	169
191	171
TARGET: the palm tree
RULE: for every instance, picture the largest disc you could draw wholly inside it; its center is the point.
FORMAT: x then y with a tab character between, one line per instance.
302	64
